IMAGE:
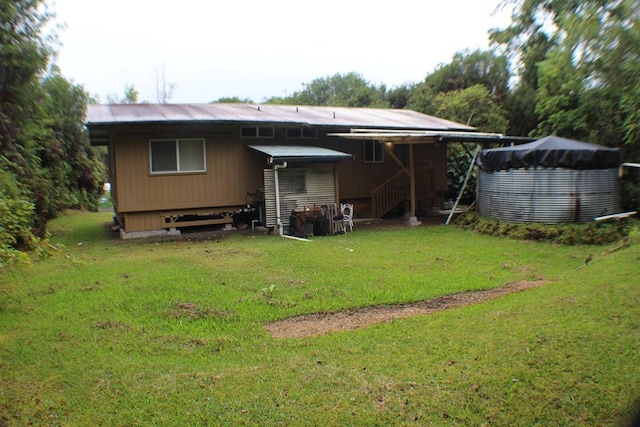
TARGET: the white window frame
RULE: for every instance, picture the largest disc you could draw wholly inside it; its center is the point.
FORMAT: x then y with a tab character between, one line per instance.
177	169
373	151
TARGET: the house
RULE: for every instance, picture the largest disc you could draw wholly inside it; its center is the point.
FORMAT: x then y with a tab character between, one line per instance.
179	165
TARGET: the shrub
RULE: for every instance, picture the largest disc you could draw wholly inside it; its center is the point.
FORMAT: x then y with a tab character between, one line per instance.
17	218
591	233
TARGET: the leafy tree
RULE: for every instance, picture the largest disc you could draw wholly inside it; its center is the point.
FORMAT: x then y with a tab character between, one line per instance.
341	90
398	97
520	101
468	69
476	107
45	162
588	63
587	78
234	100
23	59
421	98
130	96
473	106
82	171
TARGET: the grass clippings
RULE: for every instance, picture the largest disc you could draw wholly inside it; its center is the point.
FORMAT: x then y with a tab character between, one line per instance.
323	323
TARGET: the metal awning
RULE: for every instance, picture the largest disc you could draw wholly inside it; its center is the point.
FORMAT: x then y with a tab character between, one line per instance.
413	137
298	153
430	136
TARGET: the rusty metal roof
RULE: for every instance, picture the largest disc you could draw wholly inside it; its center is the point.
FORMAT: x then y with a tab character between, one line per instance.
100	115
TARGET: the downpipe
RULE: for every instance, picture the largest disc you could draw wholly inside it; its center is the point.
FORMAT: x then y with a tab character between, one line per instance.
277	185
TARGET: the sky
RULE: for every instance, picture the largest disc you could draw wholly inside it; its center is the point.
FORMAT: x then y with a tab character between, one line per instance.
257	49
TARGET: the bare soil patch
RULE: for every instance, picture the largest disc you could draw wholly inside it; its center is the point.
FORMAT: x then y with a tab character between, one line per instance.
323	323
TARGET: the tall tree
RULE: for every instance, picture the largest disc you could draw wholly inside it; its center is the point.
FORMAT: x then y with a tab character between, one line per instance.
81	171
129	96
23	61
45	159
587	80
467	69
340	90
473	106
587	84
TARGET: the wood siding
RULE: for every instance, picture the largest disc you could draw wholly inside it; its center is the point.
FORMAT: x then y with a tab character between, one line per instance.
233	170
358	178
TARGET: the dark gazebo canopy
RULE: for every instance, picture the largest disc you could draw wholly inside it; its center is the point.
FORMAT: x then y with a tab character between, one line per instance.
550	152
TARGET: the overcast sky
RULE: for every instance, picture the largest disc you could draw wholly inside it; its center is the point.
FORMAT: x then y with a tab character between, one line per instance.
260	48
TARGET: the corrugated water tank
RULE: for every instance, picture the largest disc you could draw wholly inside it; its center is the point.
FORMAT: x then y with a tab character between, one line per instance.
552	180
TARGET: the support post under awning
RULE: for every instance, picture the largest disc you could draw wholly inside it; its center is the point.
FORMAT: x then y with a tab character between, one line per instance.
413	219
464	185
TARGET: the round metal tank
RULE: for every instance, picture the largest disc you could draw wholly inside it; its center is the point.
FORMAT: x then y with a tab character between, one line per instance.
547	195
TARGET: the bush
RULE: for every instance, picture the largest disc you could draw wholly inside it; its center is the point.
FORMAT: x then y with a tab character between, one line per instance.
591	233
17	217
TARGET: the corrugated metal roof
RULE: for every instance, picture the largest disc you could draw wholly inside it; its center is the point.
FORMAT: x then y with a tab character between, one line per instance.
280	153
281	114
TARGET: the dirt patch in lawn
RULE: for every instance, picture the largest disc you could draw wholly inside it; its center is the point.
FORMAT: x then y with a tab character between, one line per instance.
320	324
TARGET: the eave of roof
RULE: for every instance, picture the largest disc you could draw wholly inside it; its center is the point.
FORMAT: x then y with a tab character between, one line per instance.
412	137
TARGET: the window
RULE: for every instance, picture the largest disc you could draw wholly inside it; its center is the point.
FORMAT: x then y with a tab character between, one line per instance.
177	155
373	152
256	132
301	133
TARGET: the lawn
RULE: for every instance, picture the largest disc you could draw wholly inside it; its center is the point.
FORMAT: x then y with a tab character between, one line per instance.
121	333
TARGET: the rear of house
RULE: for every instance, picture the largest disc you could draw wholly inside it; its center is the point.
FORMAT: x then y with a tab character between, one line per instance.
174	166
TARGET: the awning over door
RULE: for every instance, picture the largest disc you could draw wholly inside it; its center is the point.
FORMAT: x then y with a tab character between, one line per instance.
297	153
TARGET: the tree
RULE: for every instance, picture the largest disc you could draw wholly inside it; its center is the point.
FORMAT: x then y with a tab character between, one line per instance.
473	106
398	97
520	102
234	100
46	162
587	78
340	90
130	96
587	68
164	90
81	172
23	60
468	69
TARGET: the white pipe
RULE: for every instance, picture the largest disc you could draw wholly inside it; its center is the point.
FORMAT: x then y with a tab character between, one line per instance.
296	238
616	216
277	185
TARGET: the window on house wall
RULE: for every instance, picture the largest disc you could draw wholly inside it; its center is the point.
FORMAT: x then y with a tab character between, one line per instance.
301	133
373	152
256	132
177	155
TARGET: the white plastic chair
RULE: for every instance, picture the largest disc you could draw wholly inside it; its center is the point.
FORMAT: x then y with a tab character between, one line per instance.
347	213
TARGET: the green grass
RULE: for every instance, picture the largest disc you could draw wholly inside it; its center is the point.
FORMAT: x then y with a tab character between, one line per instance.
137	333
